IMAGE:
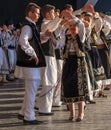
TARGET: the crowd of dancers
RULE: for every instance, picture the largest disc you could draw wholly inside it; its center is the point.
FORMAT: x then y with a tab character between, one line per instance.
77	52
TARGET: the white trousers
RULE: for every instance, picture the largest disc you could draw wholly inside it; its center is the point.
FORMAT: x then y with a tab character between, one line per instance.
46	99
31	87
57	93
49	79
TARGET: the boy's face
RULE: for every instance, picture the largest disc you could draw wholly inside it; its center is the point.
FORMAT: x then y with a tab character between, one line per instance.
51	14
35	15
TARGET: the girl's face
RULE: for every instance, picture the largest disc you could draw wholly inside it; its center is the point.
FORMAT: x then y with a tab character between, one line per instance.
73	28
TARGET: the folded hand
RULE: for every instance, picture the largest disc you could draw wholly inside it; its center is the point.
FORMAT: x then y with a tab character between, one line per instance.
34	58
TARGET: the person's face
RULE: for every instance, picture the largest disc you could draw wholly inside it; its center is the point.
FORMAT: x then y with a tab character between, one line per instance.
14	33
11	26
4	27
73	28
35	15
51	14
18	32
87	18
70	9
57	14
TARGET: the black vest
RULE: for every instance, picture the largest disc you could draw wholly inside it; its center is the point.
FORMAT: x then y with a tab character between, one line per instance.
59	53
48	48
23	58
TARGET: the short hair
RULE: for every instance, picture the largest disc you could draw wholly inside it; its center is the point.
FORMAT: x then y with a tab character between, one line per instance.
57	10
46	9
67	6
31	7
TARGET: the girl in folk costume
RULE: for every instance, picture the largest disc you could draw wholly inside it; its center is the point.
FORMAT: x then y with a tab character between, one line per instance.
105	36
98	69
74	76
87	18
103	48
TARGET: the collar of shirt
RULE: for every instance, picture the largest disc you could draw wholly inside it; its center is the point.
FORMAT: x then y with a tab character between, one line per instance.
45	20
30	20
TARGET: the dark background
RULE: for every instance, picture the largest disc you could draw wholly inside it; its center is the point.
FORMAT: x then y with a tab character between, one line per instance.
15	9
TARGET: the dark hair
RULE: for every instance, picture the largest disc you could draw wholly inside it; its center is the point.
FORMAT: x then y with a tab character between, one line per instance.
31	7
46	8
86	13
18	25
67	6
57	10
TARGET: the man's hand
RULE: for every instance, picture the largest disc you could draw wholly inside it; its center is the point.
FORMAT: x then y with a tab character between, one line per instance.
34	58
47	33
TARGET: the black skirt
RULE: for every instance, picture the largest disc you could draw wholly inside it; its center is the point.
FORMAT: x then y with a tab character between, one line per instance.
74	80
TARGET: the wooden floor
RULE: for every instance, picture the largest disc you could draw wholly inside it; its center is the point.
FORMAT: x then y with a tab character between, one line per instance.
97	116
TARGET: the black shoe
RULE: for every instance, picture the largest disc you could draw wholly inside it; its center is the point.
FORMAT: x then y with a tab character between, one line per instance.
20	117
71	119
56	106
92	102
36	108
33	122
46	114
78	120
107	88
